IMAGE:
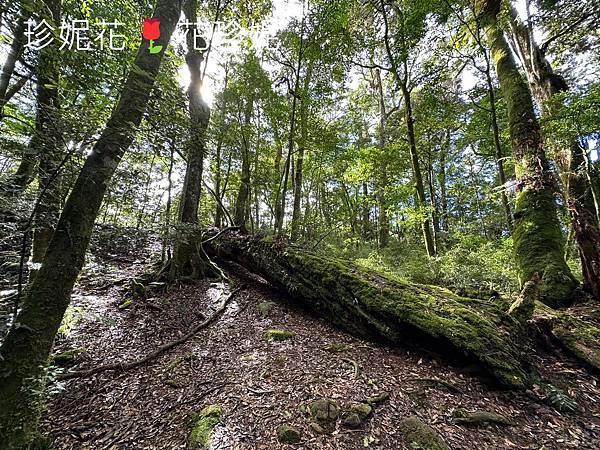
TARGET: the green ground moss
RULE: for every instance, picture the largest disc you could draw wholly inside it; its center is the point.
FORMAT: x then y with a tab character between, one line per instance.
278	335
204	424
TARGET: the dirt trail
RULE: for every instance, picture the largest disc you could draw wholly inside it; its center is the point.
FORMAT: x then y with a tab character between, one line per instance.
262	384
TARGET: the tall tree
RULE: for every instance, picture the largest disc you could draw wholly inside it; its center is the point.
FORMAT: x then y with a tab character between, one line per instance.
27	346
47	142
538	240
406	34
188	256
545	84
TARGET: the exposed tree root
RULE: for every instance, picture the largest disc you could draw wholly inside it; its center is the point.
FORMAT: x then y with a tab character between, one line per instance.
127	365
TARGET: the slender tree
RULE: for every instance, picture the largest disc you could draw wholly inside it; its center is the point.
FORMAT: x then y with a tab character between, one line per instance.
188	257
27	346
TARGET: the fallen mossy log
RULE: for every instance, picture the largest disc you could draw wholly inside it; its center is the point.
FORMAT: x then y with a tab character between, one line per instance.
577	331
373	306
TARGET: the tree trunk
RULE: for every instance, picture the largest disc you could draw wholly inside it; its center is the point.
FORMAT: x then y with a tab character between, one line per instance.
46	144
545	84
498	145
421	200
304	102
240	217
372	306
16	48
28	344
538	240
442	182
382	175
282	191
189	259
25	171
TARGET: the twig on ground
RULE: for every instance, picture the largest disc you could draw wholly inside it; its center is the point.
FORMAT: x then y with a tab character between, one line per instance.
163	348
354	364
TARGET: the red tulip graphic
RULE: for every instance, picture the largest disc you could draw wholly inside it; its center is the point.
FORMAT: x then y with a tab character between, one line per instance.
151	31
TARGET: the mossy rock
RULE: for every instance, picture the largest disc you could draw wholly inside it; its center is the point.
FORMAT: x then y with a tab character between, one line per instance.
352	420
204	423
355	414
419	435
475	418
265	308
278	335
363	410
287	434
324	411
318	428
68	356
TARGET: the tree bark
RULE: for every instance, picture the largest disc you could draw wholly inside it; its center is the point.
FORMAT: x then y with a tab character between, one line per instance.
498	145
421	200
189	259
8	69
46	144
282	191
538	240
372	306
382	175
304	102
28	344
240	217
572	163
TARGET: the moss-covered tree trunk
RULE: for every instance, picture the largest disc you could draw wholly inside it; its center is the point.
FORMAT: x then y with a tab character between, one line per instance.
188	256
28	344
545	83
384	308
538	240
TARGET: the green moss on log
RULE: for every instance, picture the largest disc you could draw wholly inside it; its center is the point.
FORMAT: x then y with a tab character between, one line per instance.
579	336
373	306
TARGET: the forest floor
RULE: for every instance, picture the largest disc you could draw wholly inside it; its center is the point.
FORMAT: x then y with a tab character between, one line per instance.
261	384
